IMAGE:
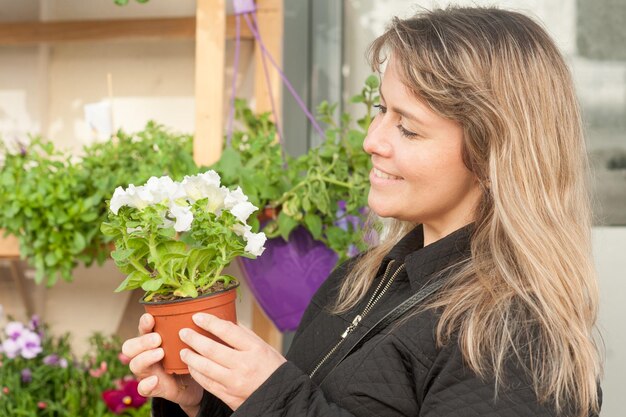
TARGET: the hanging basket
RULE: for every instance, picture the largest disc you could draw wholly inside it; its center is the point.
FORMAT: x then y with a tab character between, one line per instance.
284	279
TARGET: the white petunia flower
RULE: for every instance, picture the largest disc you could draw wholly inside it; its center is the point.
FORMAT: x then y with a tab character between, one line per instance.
235	197
241	229
183	215
164	189
137	197
237	202
207	186
255	243
243	210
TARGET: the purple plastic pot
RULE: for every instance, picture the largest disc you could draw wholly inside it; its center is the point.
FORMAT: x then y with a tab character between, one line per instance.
284	279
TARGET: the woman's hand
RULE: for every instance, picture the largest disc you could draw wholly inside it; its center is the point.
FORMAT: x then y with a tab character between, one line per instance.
231	373
146	355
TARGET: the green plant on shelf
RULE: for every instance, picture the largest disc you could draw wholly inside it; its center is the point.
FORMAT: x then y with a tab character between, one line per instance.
54	202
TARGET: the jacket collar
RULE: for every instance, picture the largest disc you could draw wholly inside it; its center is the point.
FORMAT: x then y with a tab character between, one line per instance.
423	261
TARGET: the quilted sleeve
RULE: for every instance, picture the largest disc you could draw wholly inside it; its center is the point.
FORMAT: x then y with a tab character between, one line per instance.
289	392
453	390
210	406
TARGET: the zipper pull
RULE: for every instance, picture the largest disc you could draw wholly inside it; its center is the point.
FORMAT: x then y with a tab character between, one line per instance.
351	327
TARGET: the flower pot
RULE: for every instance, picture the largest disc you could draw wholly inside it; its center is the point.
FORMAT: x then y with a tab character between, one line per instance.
286	276
172	316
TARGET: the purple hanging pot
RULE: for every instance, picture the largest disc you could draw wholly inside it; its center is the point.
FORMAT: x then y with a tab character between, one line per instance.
284	279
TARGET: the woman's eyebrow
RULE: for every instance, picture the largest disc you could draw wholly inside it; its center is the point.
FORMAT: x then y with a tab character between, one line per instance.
401	112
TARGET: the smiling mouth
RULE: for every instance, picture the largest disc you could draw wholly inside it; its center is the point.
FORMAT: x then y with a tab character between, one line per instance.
380	174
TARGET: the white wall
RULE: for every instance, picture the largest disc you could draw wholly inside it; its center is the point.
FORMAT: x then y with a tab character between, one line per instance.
609	249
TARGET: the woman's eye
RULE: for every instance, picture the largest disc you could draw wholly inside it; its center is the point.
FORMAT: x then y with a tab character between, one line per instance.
381	109
406	133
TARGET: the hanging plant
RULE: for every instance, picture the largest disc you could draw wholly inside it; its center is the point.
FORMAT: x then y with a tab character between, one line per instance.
324	191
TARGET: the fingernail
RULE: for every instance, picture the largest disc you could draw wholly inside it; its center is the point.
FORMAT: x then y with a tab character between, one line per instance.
183	333
155	338
158	352
151	380
199	318
183	353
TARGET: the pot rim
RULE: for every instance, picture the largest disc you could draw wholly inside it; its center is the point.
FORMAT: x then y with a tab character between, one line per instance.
182	300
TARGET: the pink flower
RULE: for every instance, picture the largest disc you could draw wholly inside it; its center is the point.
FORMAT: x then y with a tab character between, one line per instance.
98	372
117	400
125	360
42	405
5	390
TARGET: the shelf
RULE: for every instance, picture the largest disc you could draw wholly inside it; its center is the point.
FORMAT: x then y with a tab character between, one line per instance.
32	33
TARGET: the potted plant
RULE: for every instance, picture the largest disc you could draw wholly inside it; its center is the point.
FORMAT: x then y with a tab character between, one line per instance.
173	240
314	206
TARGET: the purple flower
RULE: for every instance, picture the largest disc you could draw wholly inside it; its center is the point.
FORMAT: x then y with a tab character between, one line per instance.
52	359
353	251
10	348
27	375
343	219
35	322
55	360
30	343
14	330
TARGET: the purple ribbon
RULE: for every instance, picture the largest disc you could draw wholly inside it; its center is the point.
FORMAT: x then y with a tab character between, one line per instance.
242	9
283	76
231	114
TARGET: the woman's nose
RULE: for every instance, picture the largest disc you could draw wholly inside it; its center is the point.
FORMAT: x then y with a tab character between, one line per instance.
376	141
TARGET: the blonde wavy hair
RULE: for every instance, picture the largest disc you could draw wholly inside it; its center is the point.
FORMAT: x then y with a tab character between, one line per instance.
529	290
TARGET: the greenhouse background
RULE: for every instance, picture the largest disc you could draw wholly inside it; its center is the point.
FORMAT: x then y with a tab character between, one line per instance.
78	92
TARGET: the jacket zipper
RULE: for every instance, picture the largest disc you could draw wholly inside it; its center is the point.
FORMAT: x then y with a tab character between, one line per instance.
376	296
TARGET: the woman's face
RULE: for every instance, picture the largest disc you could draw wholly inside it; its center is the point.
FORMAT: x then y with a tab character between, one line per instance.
418	174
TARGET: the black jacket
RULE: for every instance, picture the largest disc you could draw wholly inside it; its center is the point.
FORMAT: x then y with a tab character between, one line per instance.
399	372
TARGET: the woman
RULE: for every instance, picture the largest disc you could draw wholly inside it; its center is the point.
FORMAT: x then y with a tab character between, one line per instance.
479	160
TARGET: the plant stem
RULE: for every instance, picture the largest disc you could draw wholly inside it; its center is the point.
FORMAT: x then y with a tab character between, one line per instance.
332	181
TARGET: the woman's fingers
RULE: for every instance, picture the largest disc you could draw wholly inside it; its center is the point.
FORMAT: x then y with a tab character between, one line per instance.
204	366
147	385
141	364
146	324
135	346
226	330
209	348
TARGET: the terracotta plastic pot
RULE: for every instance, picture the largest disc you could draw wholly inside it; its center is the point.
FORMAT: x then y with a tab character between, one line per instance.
172	316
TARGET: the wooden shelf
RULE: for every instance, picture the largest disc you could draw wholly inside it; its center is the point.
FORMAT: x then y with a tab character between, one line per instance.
32	33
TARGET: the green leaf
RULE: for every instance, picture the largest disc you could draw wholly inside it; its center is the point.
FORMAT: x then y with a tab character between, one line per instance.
132	281
108	230
50	259
372	82
152	284
121	255
89	217
186	290
314	224
79	242
168	232
285	225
